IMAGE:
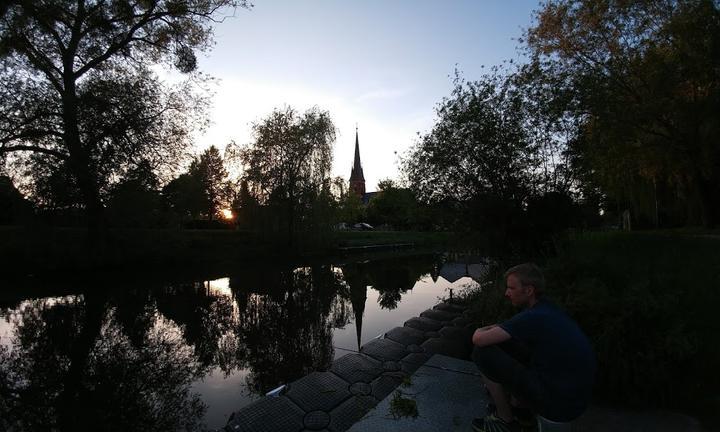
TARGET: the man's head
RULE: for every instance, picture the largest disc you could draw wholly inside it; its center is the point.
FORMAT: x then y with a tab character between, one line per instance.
524	283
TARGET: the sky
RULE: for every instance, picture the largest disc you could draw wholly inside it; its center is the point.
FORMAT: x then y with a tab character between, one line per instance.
380	65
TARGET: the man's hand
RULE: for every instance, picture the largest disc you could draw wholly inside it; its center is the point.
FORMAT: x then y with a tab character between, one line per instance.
489	335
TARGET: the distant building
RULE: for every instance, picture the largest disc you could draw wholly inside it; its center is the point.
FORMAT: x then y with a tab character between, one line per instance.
357	179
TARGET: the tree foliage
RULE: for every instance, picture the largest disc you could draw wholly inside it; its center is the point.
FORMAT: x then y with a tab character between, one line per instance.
394	206
478	145
642	80
201	192
288	165
78	88
209	170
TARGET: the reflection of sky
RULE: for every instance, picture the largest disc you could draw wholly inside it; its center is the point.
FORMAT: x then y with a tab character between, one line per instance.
226	394
223	395
9	319
377	321
220	287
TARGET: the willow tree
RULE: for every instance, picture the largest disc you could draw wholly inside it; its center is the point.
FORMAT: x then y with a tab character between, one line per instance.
288	164
78	88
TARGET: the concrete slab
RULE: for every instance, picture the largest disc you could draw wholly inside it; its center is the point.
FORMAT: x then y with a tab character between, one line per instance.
350	411
450	307
355	368
319	391
424	324
440	315
384	349
412	362
458	333
446	400
268	414
449	347
406	336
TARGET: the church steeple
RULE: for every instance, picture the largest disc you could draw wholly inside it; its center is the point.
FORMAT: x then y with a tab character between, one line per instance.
357	179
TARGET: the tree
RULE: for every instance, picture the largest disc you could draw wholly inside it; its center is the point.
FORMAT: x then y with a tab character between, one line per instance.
289	163
478	151
14	208
210	172
135	201
394	206
78	88
185	197
643	84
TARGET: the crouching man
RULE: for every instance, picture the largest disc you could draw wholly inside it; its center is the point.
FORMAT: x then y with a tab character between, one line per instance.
537	362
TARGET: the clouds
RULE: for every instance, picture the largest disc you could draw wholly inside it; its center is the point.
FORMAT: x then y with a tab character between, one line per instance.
382	94
238	103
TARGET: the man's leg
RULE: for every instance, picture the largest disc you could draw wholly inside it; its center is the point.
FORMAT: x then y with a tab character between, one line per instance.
503	367
500	398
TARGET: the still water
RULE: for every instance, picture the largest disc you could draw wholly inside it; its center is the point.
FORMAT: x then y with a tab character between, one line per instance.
185	355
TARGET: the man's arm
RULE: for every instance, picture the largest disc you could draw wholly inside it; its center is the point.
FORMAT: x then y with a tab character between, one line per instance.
489	335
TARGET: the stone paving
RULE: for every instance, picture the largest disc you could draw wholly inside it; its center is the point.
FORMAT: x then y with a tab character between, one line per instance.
335	399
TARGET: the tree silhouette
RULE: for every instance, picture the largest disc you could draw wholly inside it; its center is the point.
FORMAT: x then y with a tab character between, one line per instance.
77	87
289	162
641	80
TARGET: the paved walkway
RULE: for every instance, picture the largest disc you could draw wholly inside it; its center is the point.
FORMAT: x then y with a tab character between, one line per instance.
447	393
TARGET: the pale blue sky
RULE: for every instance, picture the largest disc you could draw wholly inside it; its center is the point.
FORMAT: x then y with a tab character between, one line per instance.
381	64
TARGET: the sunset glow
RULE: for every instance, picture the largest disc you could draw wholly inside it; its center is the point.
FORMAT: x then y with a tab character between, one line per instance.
227	214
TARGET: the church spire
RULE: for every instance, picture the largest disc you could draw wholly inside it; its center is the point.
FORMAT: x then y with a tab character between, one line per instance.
357	179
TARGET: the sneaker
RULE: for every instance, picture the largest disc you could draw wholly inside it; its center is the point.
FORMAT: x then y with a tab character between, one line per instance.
525	418
491	423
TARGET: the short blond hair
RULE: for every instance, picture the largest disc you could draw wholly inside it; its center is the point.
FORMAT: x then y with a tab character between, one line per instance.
528	274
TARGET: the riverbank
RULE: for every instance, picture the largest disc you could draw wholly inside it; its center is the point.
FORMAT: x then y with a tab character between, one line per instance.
647	301
39	250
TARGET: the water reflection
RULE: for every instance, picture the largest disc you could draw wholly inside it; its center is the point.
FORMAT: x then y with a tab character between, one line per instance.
134	358
73	366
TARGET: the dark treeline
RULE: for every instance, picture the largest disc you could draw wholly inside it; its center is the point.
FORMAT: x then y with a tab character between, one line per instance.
616	111
612	120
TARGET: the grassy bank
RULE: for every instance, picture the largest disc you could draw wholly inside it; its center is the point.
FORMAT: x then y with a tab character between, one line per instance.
648	302
36	250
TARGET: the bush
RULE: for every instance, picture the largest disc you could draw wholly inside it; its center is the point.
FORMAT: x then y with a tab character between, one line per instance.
647	301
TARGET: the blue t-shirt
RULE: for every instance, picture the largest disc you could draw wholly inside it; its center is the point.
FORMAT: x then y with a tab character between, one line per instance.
561	354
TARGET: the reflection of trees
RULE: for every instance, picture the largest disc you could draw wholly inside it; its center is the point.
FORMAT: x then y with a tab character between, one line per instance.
204	318
390	277
285	331
70	370
126	360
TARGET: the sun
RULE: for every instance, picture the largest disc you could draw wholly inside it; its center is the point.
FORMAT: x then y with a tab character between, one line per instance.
227	214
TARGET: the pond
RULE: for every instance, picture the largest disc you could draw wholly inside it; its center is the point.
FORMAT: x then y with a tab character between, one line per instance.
170	355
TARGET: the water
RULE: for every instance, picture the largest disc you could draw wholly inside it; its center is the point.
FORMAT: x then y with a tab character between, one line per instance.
162	355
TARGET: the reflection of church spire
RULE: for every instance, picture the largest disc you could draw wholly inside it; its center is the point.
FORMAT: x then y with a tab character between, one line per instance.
357	179
358	296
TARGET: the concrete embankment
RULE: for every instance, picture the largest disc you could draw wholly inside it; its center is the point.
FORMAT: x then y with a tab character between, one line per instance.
335	399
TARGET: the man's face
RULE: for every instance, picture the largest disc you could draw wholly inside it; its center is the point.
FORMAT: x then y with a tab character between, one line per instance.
518	294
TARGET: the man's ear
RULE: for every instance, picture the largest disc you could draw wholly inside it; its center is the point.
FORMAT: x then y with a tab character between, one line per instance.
530	289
